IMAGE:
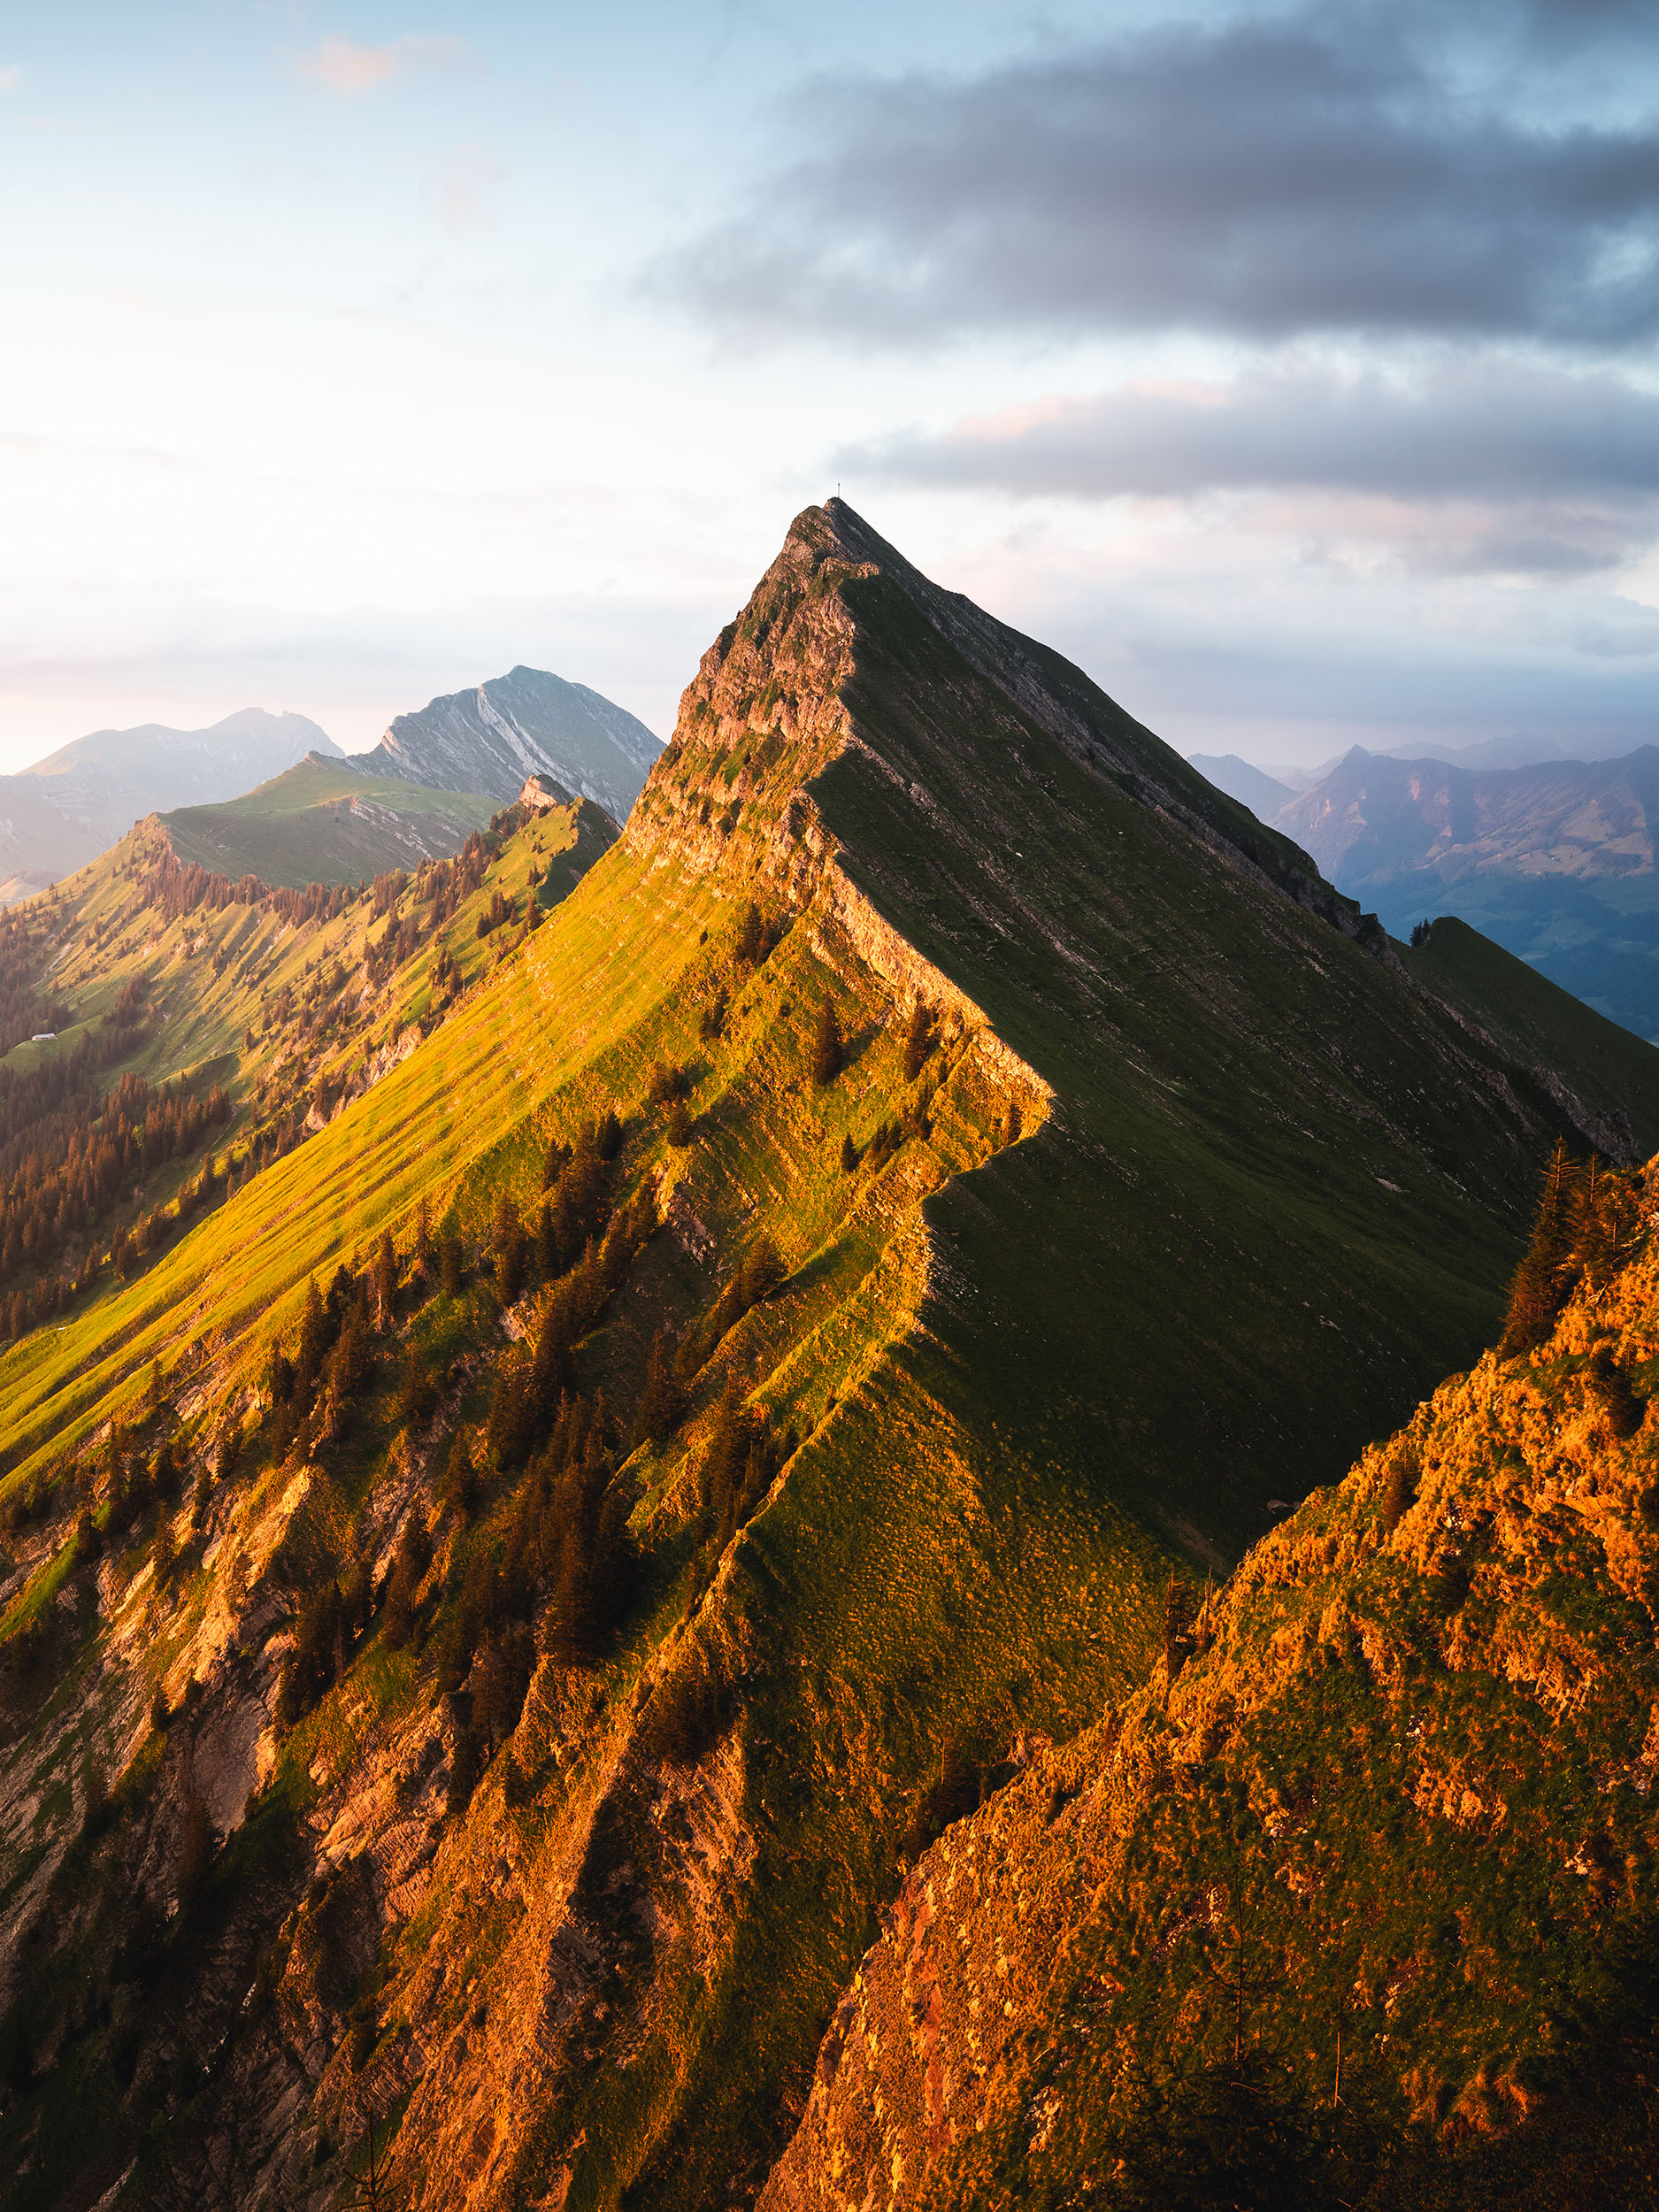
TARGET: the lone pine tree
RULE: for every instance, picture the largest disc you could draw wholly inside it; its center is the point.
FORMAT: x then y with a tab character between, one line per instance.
1539	1288
829	1051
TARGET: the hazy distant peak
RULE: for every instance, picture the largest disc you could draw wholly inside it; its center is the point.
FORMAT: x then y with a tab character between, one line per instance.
1242	781
249	733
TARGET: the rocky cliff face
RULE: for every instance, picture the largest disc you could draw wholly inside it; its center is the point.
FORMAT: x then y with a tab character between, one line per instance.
525	723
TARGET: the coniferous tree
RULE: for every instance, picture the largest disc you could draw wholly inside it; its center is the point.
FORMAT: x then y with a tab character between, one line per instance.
508	1431
279	1381
510	1252
460	1480
1539	1288
1602	1215
570	1621
848	1155
314	1340
750	935
425	1248
400	1596
546	1250
451	1269
725	1457
918	1040
667	1083
418	1394
385	1280
661	1401
762	1270
680	1130
829	1050
353	1355
463	1771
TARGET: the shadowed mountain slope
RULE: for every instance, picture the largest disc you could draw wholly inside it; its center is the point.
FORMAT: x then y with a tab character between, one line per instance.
1025	1171
321	821
523	724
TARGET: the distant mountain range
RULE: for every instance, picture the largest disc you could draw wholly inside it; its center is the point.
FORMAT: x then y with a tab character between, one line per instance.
1558	861
64	811
525	723
61	813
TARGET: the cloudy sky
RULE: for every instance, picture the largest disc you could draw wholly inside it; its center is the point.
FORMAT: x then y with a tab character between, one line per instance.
1293	369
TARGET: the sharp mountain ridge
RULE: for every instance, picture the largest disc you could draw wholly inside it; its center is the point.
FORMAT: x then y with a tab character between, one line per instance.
1354	1900
501	1597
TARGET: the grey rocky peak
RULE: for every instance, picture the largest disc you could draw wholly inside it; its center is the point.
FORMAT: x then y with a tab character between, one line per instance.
523	724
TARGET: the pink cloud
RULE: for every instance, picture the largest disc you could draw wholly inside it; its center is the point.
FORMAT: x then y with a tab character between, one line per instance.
344	68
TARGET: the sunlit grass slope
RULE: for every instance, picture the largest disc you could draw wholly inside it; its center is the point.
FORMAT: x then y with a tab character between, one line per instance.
323	822
290	1011
539	1023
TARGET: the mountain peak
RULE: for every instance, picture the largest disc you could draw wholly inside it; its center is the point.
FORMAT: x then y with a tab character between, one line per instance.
528	722
773	703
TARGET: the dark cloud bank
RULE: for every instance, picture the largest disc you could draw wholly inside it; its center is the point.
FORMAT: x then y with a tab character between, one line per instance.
1337	171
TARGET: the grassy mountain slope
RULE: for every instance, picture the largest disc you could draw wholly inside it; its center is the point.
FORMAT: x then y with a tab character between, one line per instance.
1540	1024
152	975
323	822
1353	1902
1180	1190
